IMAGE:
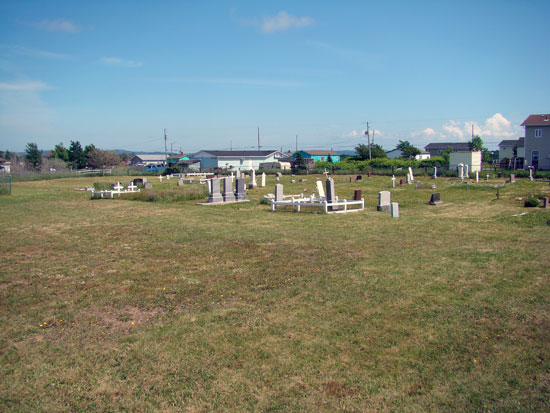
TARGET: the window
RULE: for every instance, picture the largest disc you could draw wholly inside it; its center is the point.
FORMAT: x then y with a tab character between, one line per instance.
538	133
535	159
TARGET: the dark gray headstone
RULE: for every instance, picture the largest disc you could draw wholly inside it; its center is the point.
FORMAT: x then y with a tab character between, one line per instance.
215	195
435	199
240	194
228	194
331	195
357	195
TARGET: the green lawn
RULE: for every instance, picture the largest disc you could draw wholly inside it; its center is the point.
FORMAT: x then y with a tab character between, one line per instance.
111	305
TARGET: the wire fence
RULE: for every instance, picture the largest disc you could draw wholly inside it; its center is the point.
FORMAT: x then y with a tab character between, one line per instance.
5	184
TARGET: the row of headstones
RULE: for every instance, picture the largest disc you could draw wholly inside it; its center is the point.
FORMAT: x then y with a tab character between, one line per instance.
215	196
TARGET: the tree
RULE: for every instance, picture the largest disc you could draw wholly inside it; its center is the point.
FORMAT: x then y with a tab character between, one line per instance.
60	152
446	155
33	156
376	152
299	161
77	159
476	144
101	159
409	151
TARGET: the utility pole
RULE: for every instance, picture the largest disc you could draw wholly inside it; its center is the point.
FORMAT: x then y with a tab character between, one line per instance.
230	145
296	143
368	140
259	138
165	149
171	147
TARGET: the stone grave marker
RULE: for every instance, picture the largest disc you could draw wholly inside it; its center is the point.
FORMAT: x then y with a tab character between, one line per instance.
384	201
263	179
228	195
467	173
393	181
512	178
359	177
320	189
408	179
394	210
160	178
477	176
435	199
331	195
461	170
546	203
411	173
252	183
279	196
400	181
351	179
180	182
148	185
215	195
357	195
435	173
209	184
132	187
240	194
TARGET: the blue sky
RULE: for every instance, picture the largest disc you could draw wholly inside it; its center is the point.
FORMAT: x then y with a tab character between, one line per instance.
116	73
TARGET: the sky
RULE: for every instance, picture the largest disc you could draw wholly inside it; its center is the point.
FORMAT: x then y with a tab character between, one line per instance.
116	74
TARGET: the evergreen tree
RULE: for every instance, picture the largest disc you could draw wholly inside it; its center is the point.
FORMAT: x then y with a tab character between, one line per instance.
409	151
77	159
33	157
60	152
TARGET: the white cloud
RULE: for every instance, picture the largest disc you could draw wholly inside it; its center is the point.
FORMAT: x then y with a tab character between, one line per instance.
424	132
119	62
59	25
284	21
497	126
26	51
23	86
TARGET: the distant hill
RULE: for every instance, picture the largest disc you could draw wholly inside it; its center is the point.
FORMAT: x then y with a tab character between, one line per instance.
347	152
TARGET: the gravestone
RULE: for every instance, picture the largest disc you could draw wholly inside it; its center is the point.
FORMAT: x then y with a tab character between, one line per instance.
331	195
148	185
293	181
263	179
357	195
411	173
394	210
228	195
240	193
215	195
279	196
512	178
238	173
461	170
531	173
435	173
477	176
435	199
320	189
139	182
546	203
393	181
277	178
369	174
467	173
252	183
132	187
160	178
384	201
180	182
400	181
359	177
209	184
351	179
408	179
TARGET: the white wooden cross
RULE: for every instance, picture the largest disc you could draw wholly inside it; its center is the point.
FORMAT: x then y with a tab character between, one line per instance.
326	173
132	187
118	187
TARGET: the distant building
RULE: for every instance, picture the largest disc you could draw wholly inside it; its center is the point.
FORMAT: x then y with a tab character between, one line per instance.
394	153
5	167
472	159
148	159
319	155
175	159
435	149
422	155
537	141
236	160
281	164
511	148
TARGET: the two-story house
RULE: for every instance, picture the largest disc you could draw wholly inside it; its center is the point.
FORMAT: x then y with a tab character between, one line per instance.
537	141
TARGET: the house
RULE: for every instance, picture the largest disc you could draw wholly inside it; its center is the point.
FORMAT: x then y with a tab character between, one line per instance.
435	149
192	164
241	160
537	141
5	167
148	159
318	155
470	158
282	165
174	159
511	148
394	153
422	155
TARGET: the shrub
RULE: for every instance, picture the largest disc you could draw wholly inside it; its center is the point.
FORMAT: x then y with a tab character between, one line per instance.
532	202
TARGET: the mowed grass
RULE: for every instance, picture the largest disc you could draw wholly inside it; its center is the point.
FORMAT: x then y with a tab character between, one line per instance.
111	305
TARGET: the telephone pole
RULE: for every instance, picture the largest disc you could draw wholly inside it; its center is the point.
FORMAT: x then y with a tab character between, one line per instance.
368	140
259	138
296	143
165	148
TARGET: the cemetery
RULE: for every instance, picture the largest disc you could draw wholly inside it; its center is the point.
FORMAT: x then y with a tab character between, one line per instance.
426	298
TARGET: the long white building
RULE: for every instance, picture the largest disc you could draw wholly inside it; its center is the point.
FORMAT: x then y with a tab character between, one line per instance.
236	160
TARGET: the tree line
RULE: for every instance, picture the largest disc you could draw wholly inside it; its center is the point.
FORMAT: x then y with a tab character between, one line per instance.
73	157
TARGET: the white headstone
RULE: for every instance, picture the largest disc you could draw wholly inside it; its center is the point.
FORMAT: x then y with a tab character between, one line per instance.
253	183
209	185
461	170
393	181
408	179
279	192
263	179
320	189
435	173
384	201
411	173
160	178
394	210
238	173
467	170
477	176
531	173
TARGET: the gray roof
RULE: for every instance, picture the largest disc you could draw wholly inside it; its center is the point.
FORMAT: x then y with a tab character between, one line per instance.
457	146
147	157
513	142
244	154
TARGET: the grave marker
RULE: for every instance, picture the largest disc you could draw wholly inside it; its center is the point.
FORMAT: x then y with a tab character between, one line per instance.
279	196
411	173
240	193
393	181
263	179
435	173
512	178
320	189
384	201
331	195
357	195
252	183
394	210
435	199
228	195
215	195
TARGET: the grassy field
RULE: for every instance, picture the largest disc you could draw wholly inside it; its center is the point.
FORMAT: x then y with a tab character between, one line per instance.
110	305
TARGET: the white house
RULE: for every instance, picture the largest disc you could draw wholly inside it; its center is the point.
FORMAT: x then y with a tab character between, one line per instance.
422	155
236	160
472	159
5	167
148	159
